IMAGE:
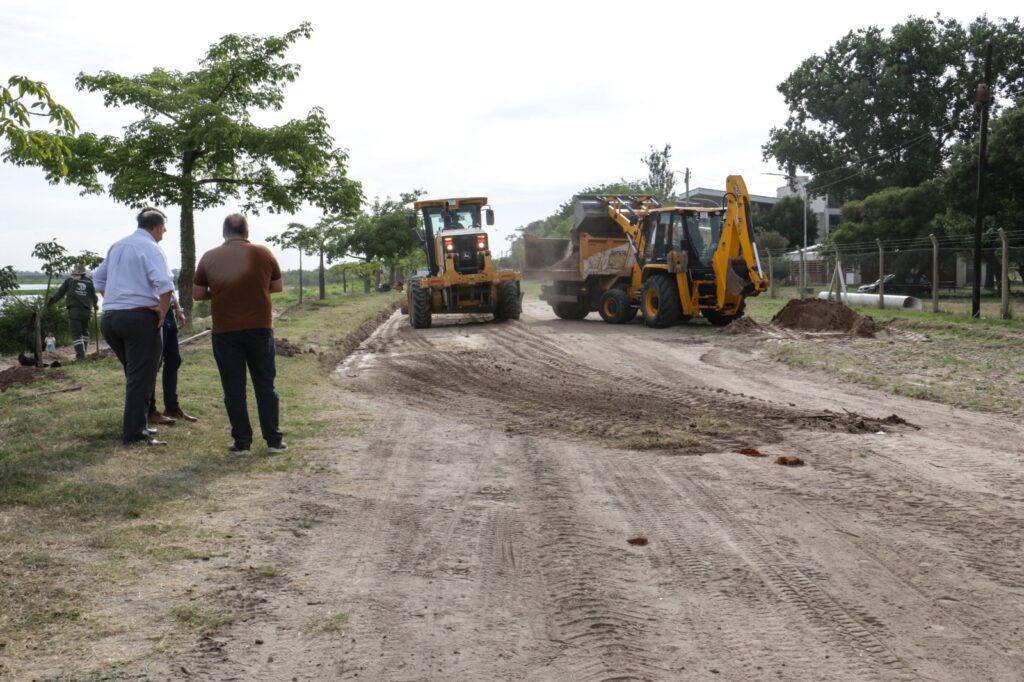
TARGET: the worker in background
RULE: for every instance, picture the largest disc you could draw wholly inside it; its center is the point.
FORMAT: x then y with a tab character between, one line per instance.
80	296
171	363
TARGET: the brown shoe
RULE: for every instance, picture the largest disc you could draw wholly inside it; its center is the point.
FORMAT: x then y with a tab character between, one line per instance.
179	414
158	419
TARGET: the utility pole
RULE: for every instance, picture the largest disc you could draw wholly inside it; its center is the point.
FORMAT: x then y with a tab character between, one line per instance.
687	179
982	100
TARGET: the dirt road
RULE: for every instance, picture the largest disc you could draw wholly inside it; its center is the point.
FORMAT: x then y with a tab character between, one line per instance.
480	532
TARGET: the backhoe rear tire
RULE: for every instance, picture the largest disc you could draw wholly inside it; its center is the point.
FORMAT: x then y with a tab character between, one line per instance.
420	312
615	307
509	307
659	301
570	311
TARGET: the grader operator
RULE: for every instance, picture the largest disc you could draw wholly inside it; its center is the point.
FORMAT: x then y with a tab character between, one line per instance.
628	254
462	278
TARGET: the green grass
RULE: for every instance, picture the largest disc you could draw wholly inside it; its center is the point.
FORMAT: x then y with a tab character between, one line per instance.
965	362
200	618
335	622
85	515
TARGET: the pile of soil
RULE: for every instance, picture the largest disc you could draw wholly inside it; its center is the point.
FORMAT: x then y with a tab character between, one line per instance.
286	348
742	325
816	315
21	376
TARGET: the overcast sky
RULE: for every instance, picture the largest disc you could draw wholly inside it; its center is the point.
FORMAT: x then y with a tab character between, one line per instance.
523	102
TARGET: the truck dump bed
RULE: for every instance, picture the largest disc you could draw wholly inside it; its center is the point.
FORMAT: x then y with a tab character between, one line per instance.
596	244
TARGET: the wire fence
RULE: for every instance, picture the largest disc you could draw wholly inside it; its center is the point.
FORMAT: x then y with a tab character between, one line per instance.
939	271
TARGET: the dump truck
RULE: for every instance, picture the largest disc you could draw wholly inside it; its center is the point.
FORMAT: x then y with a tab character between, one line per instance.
628	254
461	275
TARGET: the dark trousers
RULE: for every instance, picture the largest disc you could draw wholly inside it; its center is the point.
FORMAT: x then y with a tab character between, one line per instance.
171	360
79	319
136	340
252	349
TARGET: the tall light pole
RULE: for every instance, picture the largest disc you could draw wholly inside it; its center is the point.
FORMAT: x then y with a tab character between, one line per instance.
803	261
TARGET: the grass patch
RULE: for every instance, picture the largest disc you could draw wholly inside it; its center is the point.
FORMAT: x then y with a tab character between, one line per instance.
333	623
655	439
109	675
201	619
264	572
84	517
965	362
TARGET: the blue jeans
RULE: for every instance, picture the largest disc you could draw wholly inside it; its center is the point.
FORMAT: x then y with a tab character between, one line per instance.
252	349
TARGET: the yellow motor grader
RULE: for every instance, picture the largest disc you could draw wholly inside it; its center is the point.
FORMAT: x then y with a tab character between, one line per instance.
628	254
462	278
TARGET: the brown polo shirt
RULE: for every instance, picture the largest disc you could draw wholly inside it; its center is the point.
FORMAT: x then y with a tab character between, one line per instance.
238	274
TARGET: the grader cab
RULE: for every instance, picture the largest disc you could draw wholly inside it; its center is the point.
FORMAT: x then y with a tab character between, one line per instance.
462	278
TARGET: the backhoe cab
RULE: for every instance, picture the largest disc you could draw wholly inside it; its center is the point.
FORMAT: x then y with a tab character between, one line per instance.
462	278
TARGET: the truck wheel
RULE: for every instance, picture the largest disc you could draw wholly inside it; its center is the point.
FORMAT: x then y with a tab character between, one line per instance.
717	319
508	307
419	305
659	301
570	311
615	307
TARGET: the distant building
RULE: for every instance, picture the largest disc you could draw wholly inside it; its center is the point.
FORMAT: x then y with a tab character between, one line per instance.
705	196
825	208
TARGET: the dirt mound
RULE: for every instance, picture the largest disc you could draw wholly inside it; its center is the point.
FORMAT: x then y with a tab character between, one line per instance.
816	315
286	348
742	325
21	376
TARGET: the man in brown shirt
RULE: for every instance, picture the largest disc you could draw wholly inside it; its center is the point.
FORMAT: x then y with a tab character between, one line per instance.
238	278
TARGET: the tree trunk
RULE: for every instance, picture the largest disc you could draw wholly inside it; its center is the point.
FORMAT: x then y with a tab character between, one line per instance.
376	279
323	282
344	281
300	276
188	237
366	284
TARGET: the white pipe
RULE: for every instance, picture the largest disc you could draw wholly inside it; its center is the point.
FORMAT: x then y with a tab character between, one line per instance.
890	302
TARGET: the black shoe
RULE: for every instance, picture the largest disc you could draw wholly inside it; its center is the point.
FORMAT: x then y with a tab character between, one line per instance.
277	449
239	449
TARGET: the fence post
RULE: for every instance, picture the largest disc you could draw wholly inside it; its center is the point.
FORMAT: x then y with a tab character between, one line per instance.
1004	304
881	275
771	275
935	273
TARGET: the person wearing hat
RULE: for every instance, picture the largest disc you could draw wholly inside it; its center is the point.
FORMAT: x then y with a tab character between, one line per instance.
80	297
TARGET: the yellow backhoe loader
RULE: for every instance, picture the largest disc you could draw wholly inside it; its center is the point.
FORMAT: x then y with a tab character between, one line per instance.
627	254
462	278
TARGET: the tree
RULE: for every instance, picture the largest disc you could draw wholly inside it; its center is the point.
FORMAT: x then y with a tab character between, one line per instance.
661	180
772	242
313	240
17	139
380	234
196	146
786	217
8	280
880	110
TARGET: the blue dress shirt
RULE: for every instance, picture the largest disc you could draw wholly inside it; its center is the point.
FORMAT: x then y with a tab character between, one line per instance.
134	274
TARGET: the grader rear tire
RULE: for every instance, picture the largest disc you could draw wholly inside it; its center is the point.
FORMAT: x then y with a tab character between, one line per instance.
659	301
508	307
420	312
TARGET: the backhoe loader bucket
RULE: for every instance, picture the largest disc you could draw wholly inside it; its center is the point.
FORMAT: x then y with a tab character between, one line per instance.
591	213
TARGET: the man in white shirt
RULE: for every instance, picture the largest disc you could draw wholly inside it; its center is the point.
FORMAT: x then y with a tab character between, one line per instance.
136	284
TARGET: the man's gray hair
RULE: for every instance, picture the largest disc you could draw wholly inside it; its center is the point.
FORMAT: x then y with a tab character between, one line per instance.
150	218
236	225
